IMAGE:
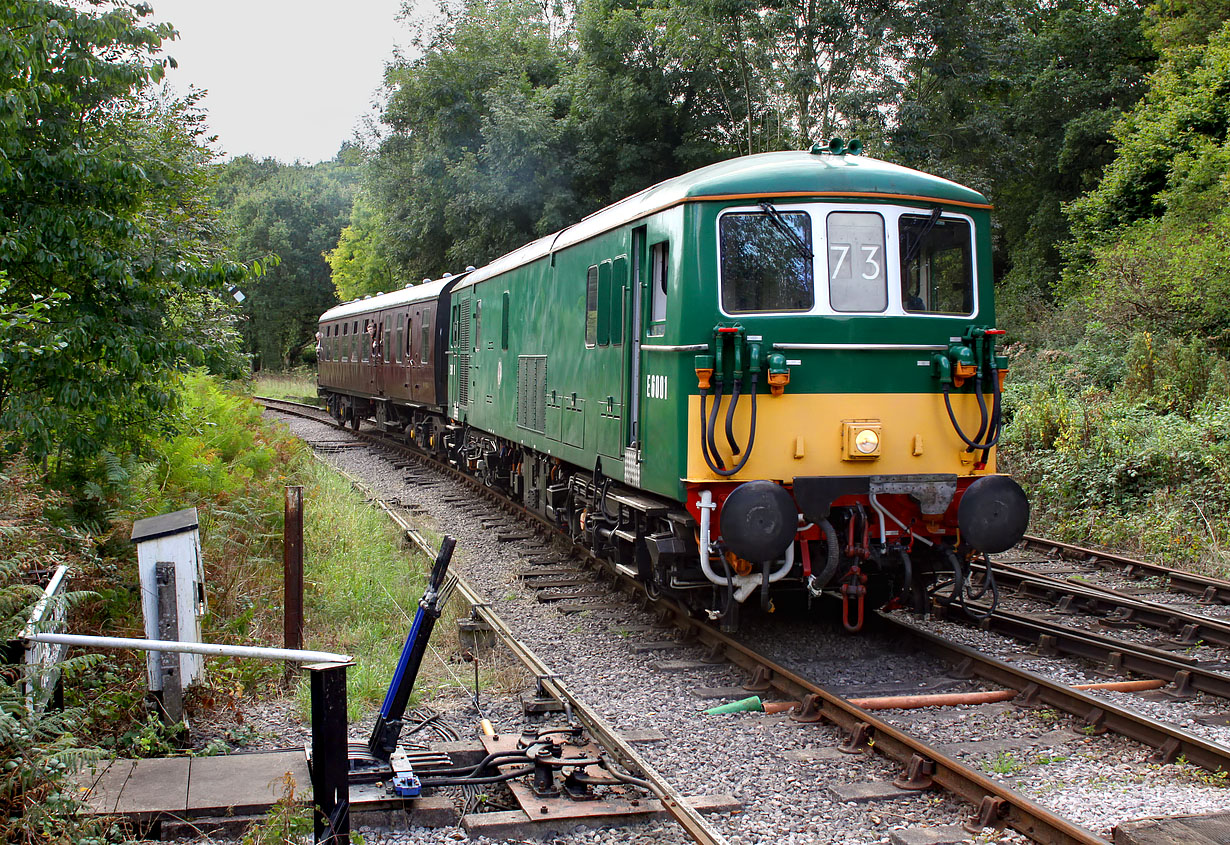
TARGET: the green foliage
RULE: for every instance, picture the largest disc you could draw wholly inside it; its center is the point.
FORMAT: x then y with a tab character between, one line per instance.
38	749
360	262
288	821
227	463
362	610
1152	246
294	212
1017	98
102	216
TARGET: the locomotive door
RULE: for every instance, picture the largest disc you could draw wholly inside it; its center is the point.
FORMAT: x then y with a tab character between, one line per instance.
608	355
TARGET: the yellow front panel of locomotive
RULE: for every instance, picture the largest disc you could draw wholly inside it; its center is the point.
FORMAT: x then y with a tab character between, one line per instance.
842	434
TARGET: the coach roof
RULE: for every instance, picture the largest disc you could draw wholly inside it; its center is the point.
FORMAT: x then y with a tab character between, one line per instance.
406	296
767	175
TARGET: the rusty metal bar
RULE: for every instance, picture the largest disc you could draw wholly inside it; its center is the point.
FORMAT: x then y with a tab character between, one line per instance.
1119	654
1168	740
292	569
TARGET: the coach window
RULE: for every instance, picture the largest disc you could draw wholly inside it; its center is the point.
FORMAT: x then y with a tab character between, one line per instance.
354	342
937	267
425	348
401	335
658	256
857	279
365	344
767	261
591	306
345	347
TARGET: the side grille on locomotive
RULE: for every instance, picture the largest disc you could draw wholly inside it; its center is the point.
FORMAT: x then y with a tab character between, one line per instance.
532	392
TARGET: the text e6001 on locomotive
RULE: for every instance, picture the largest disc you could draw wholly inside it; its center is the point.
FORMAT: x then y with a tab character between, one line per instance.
777	372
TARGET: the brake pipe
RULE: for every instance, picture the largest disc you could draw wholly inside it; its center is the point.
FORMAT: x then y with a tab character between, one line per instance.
734	393
883	511
751	437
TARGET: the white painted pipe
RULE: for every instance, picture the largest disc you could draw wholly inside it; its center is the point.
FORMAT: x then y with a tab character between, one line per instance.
292	655
707	507
880	509
744	585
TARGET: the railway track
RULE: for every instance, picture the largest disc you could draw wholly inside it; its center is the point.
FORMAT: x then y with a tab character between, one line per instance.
923	765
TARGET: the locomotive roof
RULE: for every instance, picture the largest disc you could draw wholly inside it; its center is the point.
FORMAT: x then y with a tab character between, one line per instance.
764	176
405	296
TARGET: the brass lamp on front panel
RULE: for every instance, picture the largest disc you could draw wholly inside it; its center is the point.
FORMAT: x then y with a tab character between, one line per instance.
860	440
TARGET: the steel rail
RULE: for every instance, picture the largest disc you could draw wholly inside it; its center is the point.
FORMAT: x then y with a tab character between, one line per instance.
1190	627
997	803
673	801
1211	590
1184	672
1169	741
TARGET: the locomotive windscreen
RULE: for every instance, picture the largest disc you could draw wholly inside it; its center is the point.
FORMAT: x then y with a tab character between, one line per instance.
767	262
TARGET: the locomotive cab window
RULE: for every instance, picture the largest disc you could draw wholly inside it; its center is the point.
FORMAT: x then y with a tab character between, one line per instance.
856	266
937	268
767	262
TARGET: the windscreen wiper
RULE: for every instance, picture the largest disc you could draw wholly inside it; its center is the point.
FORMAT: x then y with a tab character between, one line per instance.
916	247
787	230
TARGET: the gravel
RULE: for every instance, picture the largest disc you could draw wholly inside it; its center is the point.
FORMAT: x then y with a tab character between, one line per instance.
762	760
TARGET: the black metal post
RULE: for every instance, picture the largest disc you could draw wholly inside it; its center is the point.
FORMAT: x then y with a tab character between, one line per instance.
330	783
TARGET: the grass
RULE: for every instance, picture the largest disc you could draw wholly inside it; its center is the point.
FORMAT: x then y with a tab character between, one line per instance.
298	385
362	588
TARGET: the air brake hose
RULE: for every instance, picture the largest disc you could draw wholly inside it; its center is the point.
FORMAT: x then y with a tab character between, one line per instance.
707	432
982	408
730	418
751	437
832	554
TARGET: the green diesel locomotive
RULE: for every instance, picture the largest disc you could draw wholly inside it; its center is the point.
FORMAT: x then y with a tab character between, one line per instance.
776	372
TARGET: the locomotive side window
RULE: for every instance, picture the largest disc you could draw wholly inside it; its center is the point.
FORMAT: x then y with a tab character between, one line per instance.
658	255
857	278
937	268
766	261
591	306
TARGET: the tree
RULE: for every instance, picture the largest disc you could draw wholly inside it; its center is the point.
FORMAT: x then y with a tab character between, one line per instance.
103	213
1017	98
1152	240
294	212
476	157
360	262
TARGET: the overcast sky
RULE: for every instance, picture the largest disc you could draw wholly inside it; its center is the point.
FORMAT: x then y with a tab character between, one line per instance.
288	79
